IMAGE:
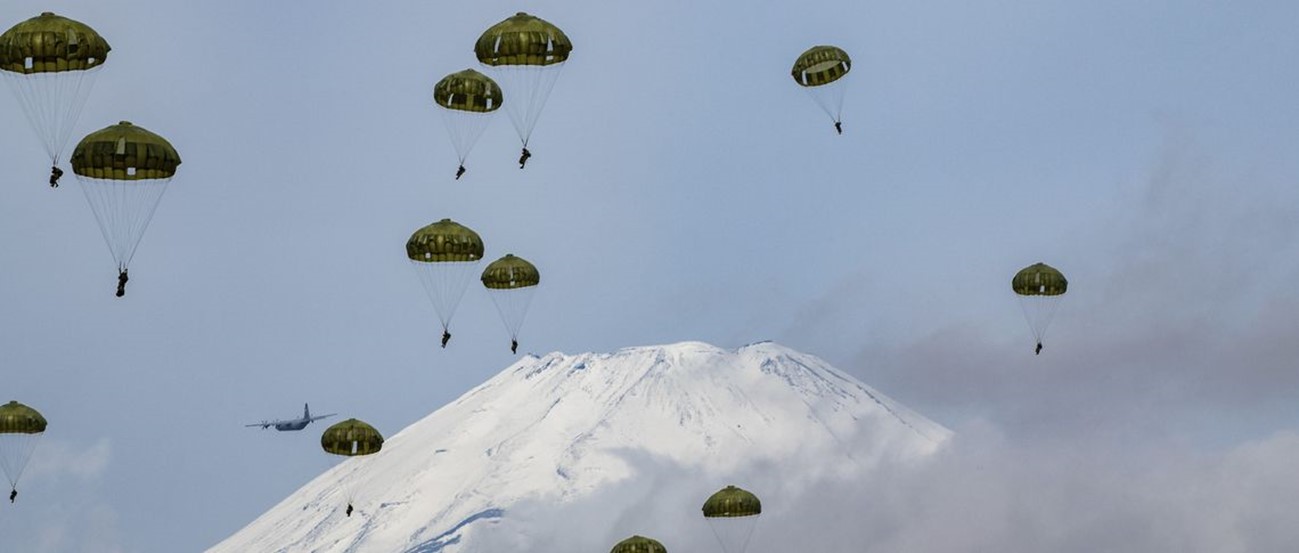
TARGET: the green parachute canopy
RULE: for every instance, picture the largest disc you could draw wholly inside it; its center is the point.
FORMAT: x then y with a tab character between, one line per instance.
510	272
124	171
511	282
526	54
351	438
1040	288
468	90
445	255
821	65
638	544
1039	279
820	71
51	43
523	40
50	63
732	502
468	99
124	152
444	241
16	418
21	428
733	514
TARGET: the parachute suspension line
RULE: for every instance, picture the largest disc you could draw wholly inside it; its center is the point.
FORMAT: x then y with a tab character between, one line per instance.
15	451
526	88
465	128
830	98
347	482
53	103
346	487
734	533
445	283
1038	311
123	209
512	305
349	439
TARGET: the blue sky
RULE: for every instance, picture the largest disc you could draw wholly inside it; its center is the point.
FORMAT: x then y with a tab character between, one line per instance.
682	188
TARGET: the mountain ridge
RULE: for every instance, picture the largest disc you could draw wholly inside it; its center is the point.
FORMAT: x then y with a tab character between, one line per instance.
560	427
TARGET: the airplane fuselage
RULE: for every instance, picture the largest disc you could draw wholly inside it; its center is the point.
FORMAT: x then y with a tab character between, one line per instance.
291	424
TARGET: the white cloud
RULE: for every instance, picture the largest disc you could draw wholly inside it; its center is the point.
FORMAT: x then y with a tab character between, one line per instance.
89	528
56	459
982	493
61	508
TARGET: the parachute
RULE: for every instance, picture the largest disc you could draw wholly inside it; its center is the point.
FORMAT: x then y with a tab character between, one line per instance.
351	438
468	98
733	513
51	63
511	282
1040	288
526	54
821	71
638	544
21	427
444	255
124	170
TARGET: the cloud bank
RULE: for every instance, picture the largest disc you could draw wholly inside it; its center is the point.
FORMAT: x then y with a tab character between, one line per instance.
980	493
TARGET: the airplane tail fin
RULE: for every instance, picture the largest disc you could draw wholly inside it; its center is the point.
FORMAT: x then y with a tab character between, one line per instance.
306	411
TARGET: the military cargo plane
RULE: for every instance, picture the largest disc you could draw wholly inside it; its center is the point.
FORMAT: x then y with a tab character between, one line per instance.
292	424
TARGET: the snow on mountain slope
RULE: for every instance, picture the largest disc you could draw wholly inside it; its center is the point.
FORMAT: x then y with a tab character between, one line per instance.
559	427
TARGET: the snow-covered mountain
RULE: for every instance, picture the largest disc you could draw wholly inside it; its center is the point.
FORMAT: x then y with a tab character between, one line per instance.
559	428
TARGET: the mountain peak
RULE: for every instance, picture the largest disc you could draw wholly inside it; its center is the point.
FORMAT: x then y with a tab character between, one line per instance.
558	427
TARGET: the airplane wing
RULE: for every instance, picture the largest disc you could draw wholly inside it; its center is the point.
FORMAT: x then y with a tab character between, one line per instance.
263	424
321	417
